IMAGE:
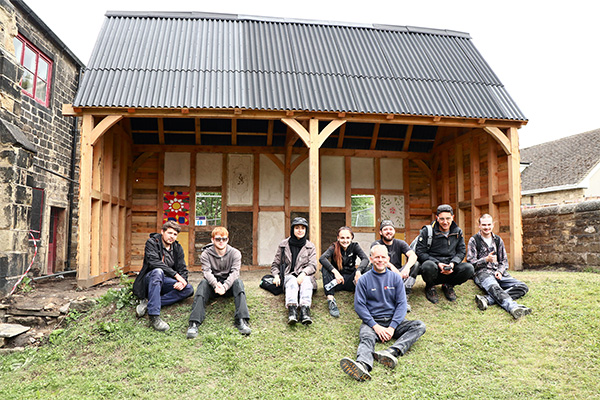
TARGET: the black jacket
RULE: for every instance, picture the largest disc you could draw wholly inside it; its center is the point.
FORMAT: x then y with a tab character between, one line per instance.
348	259
443	249
153	258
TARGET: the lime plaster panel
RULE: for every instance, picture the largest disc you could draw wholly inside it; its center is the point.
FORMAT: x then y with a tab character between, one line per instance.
209	169
299	185
271	225
333	182
240	173
391	174
363	173
271	183
177	169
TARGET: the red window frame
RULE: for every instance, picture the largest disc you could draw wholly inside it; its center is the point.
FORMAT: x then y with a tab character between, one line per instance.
26	44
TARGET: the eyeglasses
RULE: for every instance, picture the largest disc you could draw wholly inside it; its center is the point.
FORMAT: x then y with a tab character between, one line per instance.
221	239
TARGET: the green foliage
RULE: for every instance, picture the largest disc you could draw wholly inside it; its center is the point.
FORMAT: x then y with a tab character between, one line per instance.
26	285
208	204
363	210
122	296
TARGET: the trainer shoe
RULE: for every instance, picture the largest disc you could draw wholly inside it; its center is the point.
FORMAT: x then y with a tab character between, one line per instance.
333	308
141	308
192	331
386	358
242	326
157	323
520	311
449	292
482	302
431	294
355	369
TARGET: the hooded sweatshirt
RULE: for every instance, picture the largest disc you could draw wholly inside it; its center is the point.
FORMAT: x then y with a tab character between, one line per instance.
224	269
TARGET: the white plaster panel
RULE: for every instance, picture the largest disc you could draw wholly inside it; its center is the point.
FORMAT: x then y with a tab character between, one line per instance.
270	191
299	185
392	208
209	169
177	169
363	173
365	240
392	177
271	225
333	182
240	171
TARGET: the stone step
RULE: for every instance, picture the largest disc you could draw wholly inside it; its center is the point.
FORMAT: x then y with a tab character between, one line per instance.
12	330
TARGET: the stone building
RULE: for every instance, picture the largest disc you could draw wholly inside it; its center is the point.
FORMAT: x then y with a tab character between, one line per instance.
38	146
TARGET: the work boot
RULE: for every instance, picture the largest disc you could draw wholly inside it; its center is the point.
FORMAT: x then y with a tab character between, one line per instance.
305	315
482	302
157	323
520	311
449	292
141	308
242	326
292	315
431	294
192	331
334	311
387	357
355	369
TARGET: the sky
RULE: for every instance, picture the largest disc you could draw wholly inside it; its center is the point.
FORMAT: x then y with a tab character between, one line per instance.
544	52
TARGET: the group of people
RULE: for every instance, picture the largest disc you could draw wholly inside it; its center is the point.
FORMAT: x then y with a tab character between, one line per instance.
380	282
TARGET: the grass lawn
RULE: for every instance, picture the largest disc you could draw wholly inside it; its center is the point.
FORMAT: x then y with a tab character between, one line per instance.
553	353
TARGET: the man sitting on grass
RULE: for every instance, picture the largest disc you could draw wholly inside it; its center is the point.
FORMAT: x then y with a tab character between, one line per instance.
380	301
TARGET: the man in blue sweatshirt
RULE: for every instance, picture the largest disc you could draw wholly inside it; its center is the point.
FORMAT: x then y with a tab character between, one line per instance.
380	302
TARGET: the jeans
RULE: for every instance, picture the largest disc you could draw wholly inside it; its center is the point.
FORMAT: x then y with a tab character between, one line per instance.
503	292
430	272
161	291
407	333
205	292
348	284
293	292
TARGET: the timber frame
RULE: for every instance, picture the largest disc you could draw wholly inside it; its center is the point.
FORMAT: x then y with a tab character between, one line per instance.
473	165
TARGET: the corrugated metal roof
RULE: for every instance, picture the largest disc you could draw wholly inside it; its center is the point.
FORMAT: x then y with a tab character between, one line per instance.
196	60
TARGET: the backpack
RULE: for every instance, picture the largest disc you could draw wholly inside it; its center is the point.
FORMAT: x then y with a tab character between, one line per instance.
415	269
413	244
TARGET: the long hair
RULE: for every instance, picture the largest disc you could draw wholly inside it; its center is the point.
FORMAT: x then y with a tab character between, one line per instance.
337	247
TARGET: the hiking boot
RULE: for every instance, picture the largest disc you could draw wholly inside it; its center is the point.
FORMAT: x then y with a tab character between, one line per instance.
386	357
192	331
482	302
449	292
292	315
141	308
355	369
520	311
431	294
305	315
242	326
333	308
157	323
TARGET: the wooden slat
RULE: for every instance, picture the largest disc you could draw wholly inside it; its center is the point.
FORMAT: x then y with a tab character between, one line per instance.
514	204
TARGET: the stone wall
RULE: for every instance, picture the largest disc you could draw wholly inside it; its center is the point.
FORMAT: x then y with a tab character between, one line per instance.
562	236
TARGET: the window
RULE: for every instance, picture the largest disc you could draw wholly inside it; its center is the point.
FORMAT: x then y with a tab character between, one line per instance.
37	68
363	210
208	209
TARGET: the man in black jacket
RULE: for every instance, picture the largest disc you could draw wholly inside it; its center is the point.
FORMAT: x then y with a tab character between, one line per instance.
163	278
442	261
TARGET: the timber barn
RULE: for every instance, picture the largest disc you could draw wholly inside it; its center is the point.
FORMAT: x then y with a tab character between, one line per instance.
247	122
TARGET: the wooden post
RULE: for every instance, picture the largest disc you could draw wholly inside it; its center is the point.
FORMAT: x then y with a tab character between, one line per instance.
514	201
492	161
85	200
475	181
314	194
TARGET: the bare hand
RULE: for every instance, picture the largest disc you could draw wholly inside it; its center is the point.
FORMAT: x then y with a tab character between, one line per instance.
179	286
384	334
357	275
276	280
220	289
444	271
338	277
404	273
492	258
300	278
498	275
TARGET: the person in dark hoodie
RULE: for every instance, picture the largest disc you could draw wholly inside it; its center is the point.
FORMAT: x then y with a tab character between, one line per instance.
221	268
163	278
296	260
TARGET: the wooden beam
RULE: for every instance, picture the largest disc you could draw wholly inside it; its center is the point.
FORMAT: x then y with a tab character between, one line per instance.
314	194
255	209
475	179
460	183
142	158
161	131
161	191
298	129
407	138
340	143
270	128
374	137
85	200
198	131
514	203
348	189
234	132
499	136
276	161
423	167
492	161
104	125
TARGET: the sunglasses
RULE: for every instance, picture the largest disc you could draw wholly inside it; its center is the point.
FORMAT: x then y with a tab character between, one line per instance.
221	239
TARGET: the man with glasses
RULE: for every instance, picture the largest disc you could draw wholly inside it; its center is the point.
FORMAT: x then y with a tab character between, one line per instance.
221	268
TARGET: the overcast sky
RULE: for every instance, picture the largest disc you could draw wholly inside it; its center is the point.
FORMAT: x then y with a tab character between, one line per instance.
544	52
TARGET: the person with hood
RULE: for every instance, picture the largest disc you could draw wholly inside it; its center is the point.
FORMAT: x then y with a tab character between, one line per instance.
294	266
163	279
442	260
221	268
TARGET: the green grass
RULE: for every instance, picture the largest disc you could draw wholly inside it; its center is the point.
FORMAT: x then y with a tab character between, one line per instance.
465	354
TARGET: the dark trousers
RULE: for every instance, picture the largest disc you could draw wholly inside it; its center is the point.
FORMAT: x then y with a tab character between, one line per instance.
430	272
348	284
407	333
205	292
161	291
503	292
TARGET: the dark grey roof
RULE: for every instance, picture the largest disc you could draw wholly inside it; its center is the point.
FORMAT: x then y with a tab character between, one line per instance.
197	60
564	162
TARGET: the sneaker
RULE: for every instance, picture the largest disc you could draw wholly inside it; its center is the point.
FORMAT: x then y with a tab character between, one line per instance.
192	331
292	315
386	358
355	369
141	308
333	308
158	324
242	326
520	311
482	302
449	292
431	294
